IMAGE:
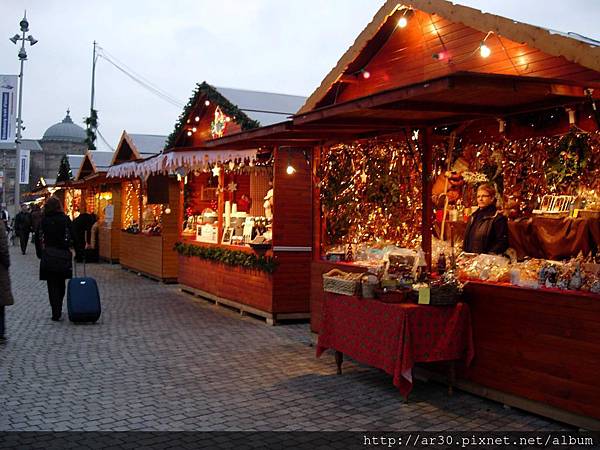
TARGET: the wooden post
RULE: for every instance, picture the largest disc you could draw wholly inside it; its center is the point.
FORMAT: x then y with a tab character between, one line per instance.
221	205
316	198
426	181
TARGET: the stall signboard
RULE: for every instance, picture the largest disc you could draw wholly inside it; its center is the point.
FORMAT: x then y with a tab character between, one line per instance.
8	91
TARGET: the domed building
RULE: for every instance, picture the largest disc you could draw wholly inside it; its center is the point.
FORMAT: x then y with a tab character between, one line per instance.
62	138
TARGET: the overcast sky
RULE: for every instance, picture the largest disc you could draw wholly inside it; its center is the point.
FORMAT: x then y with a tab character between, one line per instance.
269	45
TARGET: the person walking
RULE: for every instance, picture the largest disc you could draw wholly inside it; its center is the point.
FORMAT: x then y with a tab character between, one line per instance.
36	222
56	257
6	297
4	216
23	227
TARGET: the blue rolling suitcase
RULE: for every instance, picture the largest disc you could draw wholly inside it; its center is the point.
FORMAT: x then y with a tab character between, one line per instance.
83	298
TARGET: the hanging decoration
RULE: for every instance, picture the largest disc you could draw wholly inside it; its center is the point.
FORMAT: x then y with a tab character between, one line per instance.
217	126
387	208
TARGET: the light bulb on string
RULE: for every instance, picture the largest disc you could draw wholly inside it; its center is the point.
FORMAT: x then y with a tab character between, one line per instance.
403	22
484	50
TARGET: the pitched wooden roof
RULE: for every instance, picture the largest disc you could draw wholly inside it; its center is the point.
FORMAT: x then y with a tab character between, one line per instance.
441	39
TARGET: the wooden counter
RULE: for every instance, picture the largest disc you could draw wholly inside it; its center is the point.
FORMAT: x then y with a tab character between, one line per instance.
109	243
148	255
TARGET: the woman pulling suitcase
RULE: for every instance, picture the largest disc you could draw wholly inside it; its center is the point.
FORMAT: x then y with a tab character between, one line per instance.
56	258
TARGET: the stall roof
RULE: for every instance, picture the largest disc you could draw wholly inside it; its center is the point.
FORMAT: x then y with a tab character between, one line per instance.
134	146
93	163
448	100
266	108
243	109
444	40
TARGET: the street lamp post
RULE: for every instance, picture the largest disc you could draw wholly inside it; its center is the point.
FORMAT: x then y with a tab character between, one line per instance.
24	24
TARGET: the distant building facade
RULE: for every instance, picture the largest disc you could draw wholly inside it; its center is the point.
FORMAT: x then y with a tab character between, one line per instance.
60	139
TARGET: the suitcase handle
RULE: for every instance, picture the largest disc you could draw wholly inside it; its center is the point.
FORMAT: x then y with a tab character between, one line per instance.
75	266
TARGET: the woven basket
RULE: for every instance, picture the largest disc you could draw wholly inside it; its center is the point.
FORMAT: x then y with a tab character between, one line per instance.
339	282
446	294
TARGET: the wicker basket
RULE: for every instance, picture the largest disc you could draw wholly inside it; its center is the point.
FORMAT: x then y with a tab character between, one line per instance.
339	282
443	295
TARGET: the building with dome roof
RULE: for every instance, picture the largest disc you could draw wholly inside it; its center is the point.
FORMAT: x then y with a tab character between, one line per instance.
62	138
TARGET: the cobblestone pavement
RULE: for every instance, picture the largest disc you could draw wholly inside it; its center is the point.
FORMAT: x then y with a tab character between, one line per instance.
161	360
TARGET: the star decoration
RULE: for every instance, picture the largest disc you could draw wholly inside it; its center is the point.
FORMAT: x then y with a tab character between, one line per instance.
363	177
232	187
216	171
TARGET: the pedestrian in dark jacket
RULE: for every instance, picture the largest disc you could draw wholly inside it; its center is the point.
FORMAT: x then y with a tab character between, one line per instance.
36	222
55	264
6	297
23	227
487	228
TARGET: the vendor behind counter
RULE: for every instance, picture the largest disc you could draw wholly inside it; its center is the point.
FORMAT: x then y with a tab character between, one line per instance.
487	228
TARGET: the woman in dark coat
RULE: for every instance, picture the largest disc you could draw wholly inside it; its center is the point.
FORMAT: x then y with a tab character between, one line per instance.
487	228
6	297
56	235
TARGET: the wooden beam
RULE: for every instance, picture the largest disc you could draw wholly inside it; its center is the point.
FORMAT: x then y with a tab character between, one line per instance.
427	184
373	101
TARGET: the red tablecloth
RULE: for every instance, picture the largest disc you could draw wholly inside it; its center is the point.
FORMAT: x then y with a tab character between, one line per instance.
393	337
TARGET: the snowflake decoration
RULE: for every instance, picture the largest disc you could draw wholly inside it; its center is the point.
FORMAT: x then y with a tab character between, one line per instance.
232	187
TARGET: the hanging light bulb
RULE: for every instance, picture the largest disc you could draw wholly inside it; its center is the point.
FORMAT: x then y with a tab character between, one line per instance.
167	210
207	103
194	129
189	133
365	74
197	119
290	169
402	22
484	50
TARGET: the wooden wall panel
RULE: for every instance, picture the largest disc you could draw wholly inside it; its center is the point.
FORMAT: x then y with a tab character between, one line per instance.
291	283
292	211
540	345
141	253
170	232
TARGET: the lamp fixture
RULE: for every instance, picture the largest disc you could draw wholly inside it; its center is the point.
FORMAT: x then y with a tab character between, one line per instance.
402	22
15	38
290	170
365	74
484	50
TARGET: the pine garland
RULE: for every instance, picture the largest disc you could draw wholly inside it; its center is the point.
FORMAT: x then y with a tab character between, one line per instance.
205	90
233	258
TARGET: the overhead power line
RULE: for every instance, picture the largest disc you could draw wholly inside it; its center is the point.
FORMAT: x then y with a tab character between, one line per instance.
138	78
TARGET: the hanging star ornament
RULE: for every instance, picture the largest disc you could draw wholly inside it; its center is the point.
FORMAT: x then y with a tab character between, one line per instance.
232	187
216	171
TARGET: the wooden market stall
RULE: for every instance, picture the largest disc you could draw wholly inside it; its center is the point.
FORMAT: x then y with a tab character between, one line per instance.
147	219
244	242
424	86
103	200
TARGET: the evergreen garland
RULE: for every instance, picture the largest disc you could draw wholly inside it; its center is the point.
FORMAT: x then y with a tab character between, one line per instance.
233	258
205	90
91	126
64	170
568	160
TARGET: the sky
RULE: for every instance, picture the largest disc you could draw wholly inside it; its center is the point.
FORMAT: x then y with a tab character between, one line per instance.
266	45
